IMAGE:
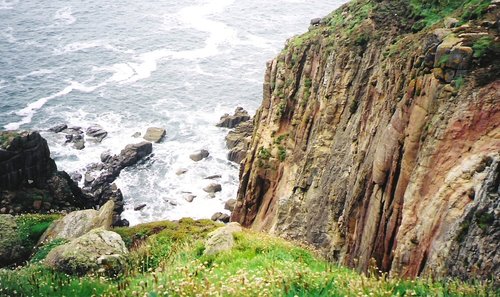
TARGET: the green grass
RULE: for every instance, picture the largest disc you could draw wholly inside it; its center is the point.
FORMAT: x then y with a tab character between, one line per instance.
264	153
258	265
6	138
31	227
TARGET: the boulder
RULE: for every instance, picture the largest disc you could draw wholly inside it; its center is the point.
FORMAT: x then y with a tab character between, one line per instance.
11	249
213	188
230	204
189	198
77	223
231	121
316	21
58	128
132	153
221	239
219	216
99	250
96	132
154	134
79	144
199	155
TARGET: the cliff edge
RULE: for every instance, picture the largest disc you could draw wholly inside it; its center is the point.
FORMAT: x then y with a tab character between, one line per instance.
378	139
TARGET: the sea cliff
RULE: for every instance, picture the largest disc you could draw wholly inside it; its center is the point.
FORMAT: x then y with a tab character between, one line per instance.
378	139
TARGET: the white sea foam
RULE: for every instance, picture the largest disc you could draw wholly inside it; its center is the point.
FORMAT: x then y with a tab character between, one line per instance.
29	111
36	73
65	16
83	45
8	35
6	4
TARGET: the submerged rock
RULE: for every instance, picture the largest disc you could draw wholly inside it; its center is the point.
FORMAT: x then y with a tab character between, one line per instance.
199	155
154	134
99	250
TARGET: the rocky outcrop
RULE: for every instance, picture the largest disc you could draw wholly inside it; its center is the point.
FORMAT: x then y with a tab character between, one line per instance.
101	176
29	180
98	251
379	145
230	121
77	223
238	141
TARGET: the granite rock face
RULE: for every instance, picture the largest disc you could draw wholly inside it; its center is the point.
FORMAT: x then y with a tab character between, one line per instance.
230	121
29	180
238	141
377	150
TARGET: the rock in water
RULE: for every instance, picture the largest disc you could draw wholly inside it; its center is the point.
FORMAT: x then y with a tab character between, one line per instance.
181	171
230	204
213	188
58	128
139	207
231	121
77	223
221	239
97	132
154	134
199	155
97	251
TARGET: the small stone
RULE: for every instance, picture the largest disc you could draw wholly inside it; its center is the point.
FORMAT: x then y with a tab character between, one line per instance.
213	176
181	171
139	207
136	135
97	132
154	134
79	144
199	155
189	198
213	188
173	203
219	216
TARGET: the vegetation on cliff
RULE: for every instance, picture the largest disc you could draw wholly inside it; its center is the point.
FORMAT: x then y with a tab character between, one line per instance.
167	259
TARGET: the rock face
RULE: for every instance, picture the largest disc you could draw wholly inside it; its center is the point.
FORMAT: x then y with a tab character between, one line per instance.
238	141
377	151
97	251
154	134
231	121
221	239
77	223
29	180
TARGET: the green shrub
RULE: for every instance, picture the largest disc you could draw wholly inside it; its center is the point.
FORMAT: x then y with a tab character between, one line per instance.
482	46
264	153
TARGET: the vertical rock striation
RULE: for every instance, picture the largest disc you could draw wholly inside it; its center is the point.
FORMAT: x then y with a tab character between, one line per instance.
380	145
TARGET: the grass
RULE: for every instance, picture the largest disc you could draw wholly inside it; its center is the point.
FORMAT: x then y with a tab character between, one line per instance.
264	153
6	138
31	227
258	265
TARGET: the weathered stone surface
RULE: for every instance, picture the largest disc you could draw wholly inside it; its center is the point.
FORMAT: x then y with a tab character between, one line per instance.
77	223
221	239
11	249
97	251
230	204
199	155
96	132
238	141
154	134
213	188
219	216
58	128
368	156
231	121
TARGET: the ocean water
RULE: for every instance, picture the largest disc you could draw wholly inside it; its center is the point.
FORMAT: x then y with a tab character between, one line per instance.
128	65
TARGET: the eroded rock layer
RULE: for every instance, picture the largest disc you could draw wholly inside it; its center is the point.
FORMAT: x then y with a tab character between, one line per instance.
378	142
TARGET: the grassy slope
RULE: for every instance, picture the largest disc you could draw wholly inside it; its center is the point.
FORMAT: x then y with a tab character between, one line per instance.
167	259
